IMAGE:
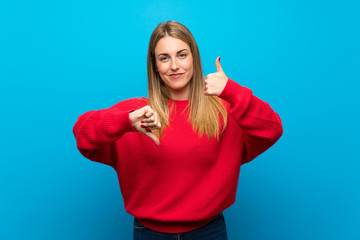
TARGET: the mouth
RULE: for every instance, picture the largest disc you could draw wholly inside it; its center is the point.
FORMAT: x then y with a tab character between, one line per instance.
177	75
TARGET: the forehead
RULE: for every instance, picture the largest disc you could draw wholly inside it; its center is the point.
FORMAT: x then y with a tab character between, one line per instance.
170	45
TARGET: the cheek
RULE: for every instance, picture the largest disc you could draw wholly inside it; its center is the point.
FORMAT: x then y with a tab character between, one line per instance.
188	64
162	68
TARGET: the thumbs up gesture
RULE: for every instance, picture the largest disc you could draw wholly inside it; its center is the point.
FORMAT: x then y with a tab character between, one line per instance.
145	119
215	82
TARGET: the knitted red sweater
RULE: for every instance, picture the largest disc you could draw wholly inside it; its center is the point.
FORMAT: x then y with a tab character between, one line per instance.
185	182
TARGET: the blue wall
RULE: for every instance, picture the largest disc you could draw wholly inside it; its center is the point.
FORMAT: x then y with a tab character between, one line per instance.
59	59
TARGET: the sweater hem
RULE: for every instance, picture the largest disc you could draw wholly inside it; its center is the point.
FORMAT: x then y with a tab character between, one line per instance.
174	227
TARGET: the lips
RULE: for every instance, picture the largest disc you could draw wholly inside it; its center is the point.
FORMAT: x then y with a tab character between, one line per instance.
176	75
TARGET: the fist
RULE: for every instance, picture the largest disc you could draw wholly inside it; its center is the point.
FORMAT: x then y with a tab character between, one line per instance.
215	82
145	119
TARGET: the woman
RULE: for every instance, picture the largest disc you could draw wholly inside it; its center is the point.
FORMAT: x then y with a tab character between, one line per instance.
178	152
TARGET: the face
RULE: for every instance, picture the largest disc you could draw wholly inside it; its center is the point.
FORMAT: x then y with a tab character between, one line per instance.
174	63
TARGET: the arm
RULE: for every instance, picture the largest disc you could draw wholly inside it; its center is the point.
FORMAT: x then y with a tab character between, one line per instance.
261	124
95	129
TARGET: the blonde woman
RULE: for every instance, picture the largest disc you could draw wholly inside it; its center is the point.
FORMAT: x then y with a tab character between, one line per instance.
178	152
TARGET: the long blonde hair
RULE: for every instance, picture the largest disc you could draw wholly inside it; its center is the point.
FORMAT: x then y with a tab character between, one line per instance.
207	113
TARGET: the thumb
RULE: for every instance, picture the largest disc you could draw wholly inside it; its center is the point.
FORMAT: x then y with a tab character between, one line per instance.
153	137
218	65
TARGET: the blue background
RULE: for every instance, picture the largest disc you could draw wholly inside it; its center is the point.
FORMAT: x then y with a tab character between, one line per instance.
59	59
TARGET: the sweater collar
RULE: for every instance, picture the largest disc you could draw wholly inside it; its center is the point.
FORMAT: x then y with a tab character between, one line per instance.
179	103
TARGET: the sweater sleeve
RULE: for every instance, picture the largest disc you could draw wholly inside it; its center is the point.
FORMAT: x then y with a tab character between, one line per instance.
261	125
96	129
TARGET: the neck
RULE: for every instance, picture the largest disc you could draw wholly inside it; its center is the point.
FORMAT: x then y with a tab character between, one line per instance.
182	94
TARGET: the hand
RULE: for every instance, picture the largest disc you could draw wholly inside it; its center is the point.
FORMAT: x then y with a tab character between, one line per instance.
215	82
145	119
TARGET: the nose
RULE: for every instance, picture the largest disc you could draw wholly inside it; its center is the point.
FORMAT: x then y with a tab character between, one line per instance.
174	65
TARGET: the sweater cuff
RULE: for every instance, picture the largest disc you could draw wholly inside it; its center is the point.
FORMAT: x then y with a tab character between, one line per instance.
234	93
131	126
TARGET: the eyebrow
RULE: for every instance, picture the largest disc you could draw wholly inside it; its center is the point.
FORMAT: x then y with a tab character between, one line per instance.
177	52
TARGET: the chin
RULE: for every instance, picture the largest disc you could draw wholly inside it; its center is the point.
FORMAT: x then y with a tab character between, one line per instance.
179	86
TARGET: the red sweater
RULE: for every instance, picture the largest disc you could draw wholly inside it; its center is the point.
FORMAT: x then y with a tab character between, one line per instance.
185	182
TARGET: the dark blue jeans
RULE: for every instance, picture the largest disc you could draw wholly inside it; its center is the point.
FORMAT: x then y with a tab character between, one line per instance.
214	230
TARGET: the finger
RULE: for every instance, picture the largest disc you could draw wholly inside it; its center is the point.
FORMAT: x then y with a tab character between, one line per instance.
142	111
152	122
157	122
147	108
208	76
156	118
146	120
139	112
151	125
218	65
153	137
149	113
205	91
150	119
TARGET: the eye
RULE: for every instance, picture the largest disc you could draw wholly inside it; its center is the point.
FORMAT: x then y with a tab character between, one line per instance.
163	58
182	55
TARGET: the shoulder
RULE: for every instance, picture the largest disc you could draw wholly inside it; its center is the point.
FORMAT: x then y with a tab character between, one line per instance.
131	103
